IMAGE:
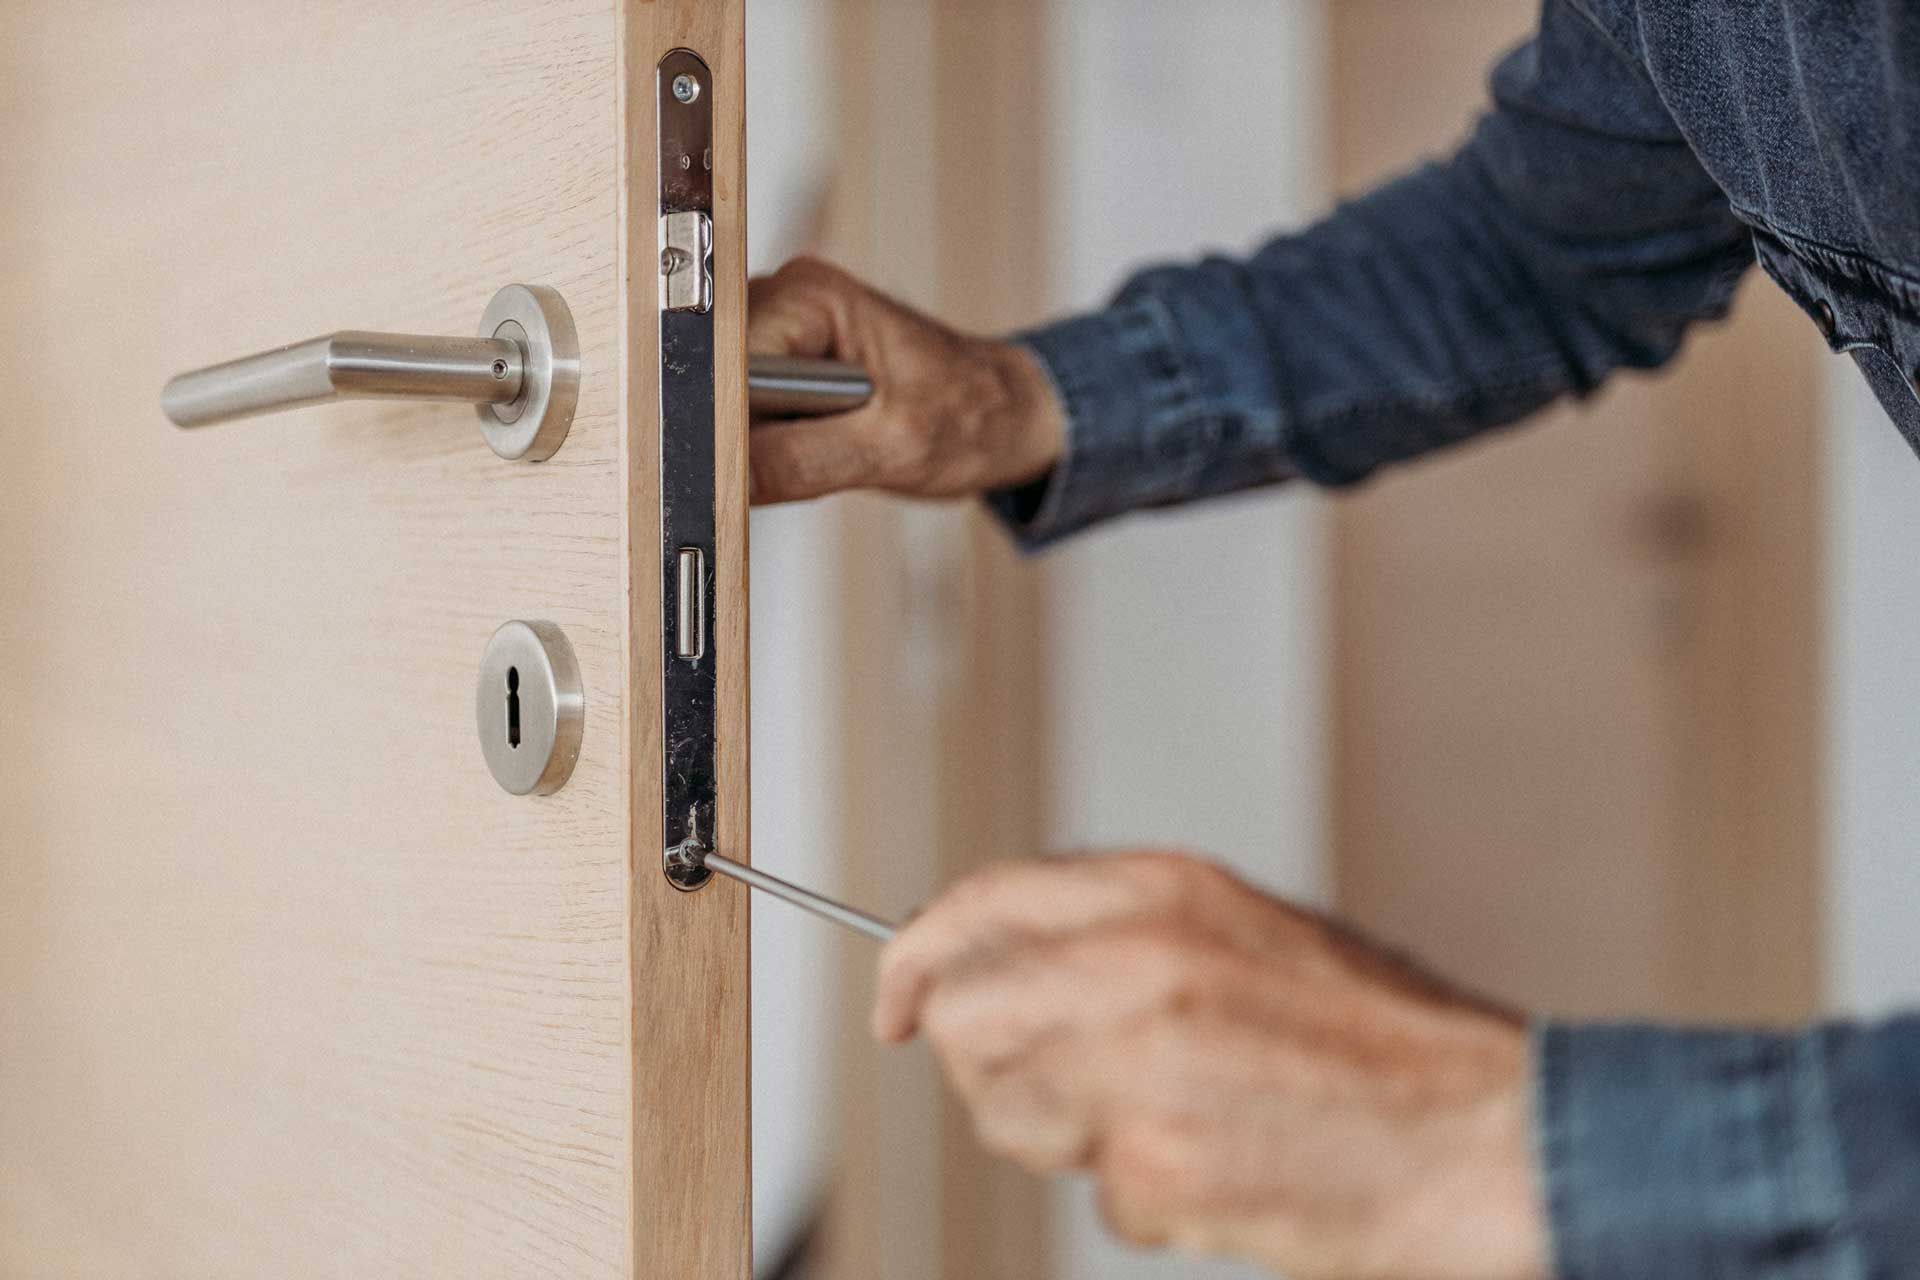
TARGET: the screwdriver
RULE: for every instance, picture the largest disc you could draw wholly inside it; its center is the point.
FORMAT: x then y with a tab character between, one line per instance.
805	899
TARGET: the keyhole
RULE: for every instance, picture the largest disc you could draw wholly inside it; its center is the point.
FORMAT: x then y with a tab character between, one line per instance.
513	707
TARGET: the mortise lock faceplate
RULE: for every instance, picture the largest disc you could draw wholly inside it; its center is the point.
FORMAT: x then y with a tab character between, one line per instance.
684	88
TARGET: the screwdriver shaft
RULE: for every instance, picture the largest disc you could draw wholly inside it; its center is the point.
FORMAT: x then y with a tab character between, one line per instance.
805	899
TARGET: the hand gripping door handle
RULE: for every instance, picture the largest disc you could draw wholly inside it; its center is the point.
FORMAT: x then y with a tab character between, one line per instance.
522	372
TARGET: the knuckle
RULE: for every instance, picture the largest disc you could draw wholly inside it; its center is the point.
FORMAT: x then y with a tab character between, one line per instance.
1022	1144
984	886
905	447
764	477
1133	1191
1127	1225
1127	1167
1185	992
798	267
1016	1138
1124	1220
1202	880
1170	878
809	270
1184	885
992	1135
1177	965
1022	1116
899	972
1169	1049
942	1023
1151	1164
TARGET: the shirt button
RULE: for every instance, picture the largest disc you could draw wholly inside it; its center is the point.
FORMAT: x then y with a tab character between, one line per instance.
1823	316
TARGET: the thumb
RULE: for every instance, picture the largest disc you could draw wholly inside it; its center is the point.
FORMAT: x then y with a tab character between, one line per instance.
793	312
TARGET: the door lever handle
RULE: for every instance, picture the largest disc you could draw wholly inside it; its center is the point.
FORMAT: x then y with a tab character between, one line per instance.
790	387
522	372
348	364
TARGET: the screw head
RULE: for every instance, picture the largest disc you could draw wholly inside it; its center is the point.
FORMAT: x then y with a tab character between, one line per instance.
685	88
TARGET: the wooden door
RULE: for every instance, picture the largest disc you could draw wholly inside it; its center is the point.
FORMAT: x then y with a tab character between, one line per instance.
288	985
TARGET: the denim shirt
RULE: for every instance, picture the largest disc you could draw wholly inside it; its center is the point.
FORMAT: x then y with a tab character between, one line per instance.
1638	158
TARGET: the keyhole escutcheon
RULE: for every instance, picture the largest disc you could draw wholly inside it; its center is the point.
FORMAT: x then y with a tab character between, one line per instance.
529	709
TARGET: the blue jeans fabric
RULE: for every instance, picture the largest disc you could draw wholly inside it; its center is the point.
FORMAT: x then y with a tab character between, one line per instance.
1638	157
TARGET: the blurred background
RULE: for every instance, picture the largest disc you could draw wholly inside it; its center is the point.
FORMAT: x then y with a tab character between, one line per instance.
1619	715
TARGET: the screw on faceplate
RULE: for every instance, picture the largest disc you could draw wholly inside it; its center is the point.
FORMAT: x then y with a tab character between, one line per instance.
685	88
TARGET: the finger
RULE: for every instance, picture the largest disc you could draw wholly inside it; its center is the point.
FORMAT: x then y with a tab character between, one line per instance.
1035	899
796	327
1044	1115
1155	1190
797	311
1039	898
982	1020
1130	1203
791	461
1064	1107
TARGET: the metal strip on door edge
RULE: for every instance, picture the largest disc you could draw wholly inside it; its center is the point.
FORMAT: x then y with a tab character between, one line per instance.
689	662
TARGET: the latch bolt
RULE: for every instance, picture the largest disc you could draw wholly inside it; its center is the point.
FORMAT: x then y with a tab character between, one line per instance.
686	262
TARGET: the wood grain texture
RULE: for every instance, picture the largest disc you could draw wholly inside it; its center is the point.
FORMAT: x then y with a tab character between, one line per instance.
992	196
1576	681
287	984
886	1217
692	1185
942	697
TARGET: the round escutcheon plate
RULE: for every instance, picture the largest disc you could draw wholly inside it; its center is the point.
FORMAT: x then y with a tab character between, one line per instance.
534	426
529	709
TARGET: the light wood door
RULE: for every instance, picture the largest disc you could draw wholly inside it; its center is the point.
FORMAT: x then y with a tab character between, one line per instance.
288	985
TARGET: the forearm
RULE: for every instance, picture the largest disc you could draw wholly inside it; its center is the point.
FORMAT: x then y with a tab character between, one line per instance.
1670	1153
1572	235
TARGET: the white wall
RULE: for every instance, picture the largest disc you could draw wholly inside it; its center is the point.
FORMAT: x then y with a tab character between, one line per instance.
795	724
1186	685
1873	704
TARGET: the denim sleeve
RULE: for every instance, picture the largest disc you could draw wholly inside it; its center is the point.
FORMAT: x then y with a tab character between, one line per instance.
1574	233
1760	1156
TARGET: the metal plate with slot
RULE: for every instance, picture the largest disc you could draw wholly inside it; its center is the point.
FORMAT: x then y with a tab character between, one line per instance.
684	86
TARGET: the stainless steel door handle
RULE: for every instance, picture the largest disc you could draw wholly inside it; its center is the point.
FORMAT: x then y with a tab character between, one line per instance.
522	371
788	387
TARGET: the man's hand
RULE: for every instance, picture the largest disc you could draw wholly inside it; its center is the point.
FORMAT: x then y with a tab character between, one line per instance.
1241	1076
950	414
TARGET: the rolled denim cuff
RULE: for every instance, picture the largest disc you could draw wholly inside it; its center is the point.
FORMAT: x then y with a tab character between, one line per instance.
1153	415
1690	1153
1117	378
